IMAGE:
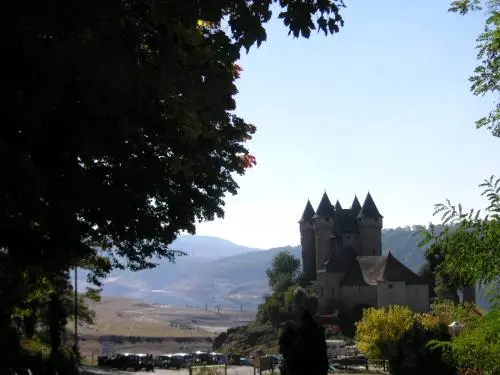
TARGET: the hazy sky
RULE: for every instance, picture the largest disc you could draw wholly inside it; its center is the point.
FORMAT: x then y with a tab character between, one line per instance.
382	106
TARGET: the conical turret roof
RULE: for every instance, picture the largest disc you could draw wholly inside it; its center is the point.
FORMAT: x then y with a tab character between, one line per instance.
338	207
325	207
308	213
369	209
355	206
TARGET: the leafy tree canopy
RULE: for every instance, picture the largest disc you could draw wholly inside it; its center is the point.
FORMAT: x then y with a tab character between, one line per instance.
119	121
469	250
486	77
284	268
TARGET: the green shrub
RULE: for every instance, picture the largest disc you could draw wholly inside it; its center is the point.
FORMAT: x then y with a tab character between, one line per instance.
415	354
269	311
406	340
35	348
479	347
36	355
67	362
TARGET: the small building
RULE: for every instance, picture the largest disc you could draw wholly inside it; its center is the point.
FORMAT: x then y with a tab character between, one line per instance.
335	348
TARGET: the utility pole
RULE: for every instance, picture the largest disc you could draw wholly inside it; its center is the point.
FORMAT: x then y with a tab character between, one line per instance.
76	313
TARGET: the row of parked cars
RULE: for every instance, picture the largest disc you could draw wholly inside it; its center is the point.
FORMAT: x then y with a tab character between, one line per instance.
125	361
180	360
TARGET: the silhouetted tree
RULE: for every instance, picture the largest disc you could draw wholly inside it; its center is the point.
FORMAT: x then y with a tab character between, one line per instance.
304	348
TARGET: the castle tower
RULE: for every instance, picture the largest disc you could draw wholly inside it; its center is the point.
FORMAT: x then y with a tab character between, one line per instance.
370	228
308	242
323	223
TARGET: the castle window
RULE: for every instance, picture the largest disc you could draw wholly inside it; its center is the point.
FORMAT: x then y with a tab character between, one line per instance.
373	251
348	237
321	292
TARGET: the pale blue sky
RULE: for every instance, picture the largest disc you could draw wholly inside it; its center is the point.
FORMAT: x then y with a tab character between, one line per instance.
382	106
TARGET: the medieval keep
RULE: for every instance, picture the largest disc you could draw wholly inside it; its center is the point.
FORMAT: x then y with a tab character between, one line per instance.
342	252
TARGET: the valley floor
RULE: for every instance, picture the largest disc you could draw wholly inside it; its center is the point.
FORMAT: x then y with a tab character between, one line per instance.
141	327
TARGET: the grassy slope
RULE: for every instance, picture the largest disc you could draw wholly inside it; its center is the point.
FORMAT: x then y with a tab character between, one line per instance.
247	339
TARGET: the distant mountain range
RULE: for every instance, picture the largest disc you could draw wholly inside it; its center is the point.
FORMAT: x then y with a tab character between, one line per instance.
217	271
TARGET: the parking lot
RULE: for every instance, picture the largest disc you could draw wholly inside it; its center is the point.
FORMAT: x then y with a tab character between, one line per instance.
232	370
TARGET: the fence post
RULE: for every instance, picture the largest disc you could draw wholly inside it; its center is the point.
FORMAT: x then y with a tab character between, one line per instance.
190	370
225	368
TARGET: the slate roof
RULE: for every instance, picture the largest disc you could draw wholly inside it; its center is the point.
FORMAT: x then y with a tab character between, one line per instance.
308	213
369	270
325	208
339	259
355	206
346	221
338	207
369	209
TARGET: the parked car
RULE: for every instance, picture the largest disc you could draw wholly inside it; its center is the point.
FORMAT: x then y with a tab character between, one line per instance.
204	358
167	361
244	361
124	361
23	371
219	359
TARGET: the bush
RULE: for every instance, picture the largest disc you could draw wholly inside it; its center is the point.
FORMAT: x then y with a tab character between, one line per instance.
379	331
479	347
35	348
67	362
416	355
403	338
448	311
36	355
269	311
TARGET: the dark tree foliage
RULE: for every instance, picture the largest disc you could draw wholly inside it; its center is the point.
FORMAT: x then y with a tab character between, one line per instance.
118	120
417	355
118	132
304	348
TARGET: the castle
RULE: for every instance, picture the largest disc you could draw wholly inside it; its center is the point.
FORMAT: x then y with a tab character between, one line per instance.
342	253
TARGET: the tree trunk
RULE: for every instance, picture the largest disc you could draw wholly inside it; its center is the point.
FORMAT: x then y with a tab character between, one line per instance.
9	338
57	322
54	322
469	294
29	323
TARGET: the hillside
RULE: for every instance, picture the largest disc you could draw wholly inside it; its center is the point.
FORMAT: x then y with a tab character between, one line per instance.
220	272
